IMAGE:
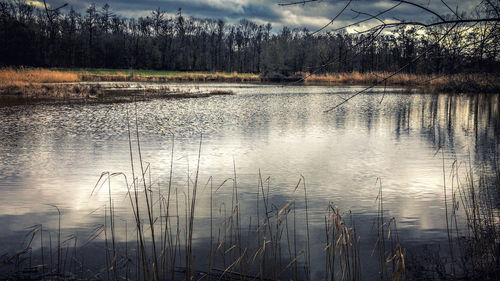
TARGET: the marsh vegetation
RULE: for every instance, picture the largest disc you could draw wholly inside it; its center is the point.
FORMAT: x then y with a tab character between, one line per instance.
36	84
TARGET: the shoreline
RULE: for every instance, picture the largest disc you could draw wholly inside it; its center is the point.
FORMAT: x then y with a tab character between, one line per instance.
88	92
62	85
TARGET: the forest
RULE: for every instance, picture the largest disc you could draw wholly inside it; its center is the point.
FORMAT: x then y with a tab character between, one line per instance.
100	38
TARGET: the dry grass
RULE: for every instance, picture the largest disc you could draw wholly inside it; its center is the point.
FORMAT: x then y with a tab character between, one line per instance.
460	83
268	249
465	83
456	83
37	83
10	77
368	78
51	91
159	76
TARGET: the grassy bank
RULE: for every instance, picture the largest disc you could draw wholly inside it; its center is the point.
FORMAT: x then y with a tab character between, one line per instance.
456	83
10	77
160	76
52	84
66	84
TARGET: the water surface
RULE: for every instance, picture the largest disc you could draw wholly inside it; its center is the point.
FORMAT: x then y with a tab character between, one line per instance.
55	154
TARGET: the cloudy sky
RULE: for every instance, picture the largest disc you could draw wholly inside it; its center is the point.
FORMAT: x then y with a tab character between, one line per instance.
311	15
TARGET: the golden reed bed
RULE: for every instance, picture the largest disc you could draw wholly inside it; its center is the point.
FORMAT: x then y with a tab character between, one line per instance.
25	76
455	83
26	81
183	77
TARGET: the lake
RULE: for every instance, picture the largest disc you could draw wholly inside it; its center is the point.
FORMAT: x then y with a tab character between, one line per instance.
399	140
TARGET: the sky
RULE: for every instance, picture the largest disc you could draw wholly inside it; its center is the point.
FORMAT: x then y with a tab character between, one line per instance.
311	15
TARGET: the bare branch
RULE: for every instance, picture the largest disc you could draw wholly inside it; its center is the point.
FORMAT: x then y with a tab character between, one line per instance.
370	38
58	8
297	3
444	22
334	18
49	11
493	6
449	8
367	19
394	73
421	7
366	14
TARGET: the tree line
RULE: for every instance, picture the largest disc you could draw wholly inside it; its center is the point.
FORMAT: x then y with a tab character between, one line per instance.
100	38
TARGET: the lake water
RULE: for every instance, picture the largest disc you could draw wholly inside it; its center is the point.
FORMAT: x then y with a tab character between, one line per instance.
55	154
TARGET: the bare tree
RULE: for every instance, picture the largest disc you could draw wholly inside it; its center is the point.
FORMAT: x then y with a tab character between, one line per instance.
475	32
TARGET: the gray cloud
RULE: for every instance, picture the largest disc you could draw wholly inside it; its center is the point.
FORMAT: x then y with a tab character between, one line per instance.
311	16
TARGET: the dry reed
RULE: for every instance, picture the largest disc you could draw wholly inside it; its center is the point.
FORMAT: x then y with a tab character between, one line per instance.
368	78
269	249
174	77
10	77
455	83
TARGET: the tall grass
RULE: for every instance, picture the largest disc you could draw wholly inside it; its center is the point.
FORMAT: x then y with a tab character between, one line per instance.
268	248
469	83
356	78
472	227
19	77
455	83
478	243
165	76
25	76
